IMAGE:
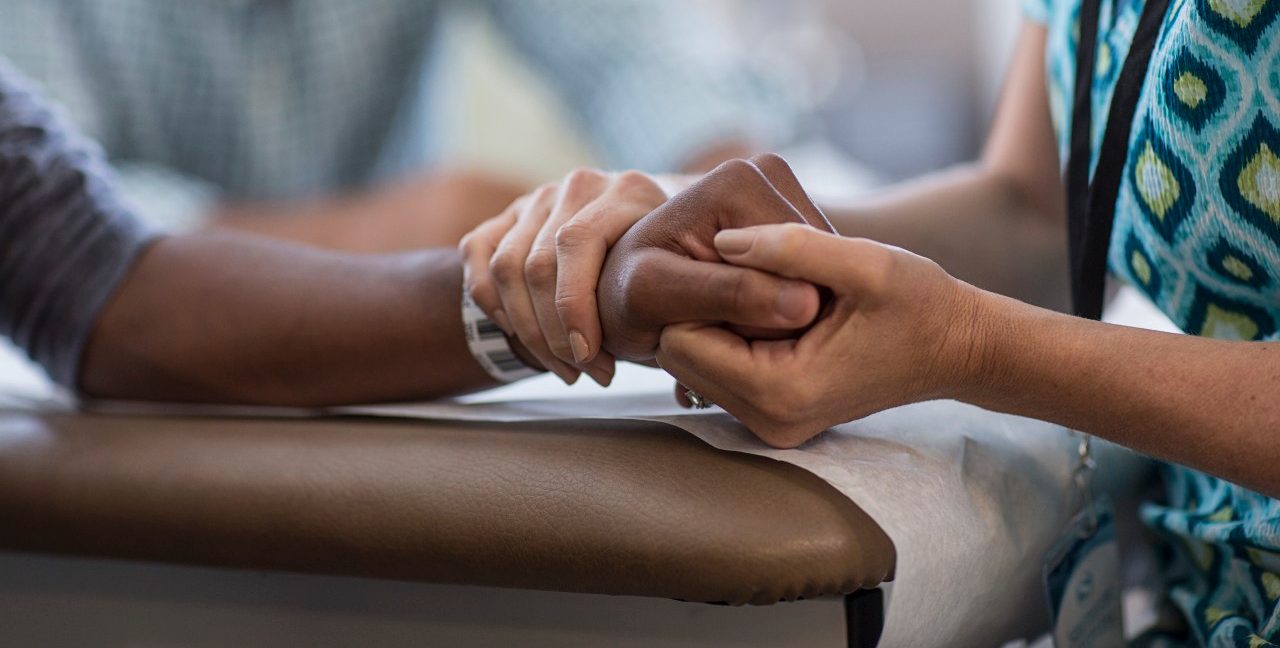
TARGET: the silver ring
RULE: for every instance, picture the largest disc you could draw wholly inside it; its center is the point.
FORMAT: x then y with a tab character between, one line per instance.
698	400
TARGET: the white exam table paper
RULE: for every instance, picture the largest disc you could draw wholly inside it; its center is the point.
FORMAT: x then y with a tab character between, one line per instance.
972	499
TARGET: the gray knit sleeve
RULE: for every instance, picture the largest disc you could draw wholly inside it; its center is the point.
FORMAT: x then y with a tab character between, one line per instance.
66	241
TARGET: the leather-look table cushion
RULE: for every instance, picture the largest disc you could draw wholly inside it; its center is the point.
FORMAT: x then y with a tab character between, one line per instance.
599	507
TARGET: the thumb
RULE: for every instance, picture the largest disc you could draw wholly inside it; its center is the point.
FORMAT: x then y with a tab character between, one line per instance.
796	251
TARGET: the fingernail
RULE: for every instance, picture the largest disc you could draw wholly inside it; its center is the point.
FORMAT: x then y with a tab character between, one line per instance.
735	241
500	318
578	343
793	302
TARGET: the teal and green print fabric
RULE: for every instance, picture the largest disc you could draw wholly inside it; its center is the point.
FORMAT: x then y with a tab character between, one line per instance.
1197	229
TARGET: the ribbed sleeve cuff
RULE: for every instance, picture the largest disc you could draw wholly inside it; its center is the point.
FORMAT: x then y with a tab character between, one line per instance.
66	241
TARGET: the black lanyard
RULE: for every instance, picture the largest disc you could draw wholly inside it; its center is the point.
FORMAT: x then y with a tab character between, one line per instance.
1091	208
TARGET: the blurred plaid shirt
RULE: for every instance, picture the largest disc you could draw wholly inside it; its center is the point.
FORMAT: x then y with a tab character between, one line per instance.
199	100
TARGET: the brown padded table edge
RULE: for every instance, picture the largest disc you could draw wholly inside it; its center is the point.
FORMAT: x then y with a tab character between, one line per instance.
598	507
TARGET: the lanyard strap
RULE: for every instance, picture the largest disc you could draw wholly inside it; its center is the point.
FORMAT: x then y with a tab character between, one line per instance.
1091	207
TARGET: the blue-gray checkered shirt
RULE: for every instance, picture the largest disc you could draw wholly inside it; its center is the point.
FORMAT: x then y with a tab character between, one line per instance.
253	99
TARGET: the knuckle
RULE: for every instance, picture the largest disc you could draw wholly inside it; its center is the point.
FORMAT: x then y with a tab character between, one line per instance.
737	167
582	175
506	269
630	295
467	244
769	159
512	212
486	297
488	301
575	232
793	240
632	178
477	285
632	283
582	183
540	267
638	182
773	163
476	246
732	178
482	235
545	192
879	266
756	201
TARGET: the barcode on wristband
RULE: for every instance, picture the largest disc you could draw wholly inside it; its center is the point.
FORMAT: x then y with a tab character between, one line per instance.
487	330
506	361
489	346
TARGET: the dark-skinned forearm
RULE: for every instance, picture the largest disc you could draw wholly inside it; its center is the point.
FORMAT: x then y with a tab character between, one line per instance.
231	319
1208	404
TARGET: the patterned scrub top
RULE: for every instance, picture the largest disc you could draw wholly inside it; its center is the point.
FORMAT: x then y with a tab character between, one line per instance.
1197	229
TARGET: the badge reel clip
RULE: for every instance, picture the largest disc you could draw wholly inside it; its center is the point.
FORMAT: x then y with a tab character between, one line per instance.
1082	572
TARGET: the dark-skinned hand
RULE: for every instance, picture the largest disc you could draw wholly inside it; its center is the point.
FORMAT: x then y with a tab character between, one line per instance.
666	270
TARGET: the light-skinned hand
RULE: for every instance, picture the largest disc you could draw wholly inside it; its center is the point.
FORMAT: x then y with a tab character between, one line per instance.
546	250
898	330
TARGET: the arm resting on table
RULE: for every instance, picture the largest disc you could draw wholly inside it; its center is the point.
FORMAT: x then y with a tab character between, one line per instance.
217	318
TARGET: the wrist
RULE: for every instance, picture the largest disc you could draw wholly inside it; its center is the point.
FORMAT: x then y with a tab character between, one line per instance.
498	354
981	323
1019	353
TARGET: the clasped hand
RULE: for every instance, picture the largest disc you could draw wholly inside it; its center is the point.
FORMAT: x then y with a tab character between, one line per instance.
719	284
593	268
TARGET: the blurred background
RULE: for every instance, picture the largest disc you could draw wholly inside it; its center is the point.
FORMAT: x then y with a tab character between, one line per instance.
882	89
890	88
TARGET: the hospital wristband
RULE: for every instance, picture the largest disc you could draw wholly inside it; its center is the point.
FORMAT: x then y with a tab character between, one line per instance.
489	345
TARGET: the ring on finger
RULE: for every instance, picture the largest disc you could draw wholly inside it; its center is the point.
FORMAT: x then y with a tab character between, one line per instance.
698	400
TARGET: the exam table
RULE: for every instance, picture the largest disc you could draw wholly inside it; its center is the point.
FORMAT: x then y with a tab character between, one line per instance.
641	511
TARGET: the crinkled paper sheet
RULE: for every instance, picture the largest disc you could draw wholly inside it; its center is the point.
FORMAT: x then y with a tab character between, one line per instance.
972	499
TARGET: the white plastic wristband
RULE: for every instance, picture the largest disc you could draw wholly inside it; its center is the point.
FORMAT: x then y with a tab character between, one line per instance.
489	344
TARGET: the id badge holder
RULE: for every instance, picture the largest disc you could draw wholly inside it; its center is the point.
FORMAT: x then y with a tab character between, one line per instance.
1082	577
